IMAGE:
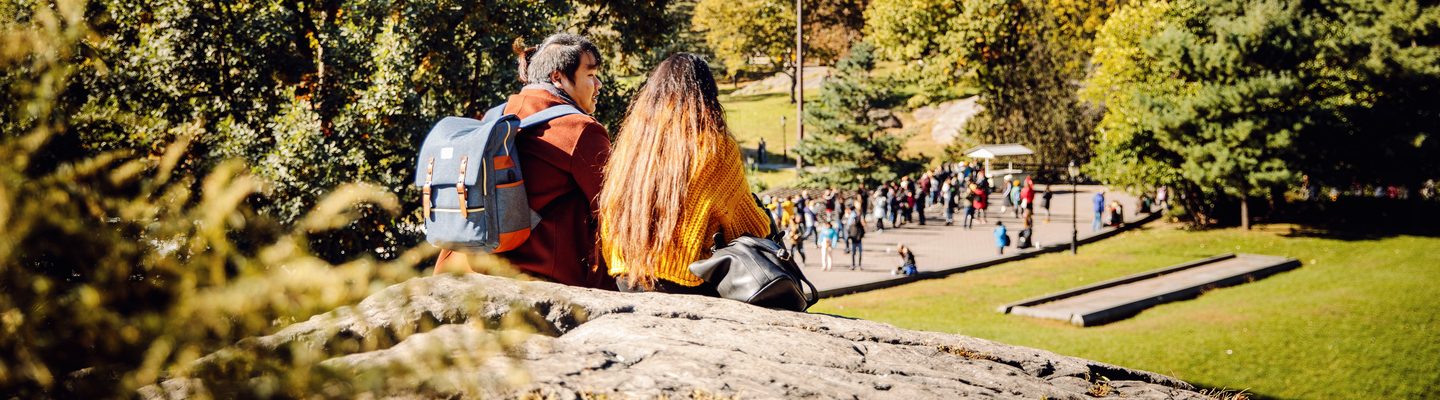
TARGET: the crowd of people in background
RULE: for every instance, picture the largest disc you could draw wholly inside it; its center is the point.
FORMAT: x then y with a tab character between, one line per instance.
836	219
1311	191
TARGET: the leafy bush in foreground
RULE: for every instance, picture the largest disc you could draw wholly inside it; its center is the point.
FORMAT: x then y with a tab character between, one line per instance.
118	270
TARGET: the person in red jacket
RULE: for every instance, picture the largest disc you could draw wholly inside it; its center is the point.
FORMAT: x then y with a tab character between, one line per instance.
982	201
1027	198
562	161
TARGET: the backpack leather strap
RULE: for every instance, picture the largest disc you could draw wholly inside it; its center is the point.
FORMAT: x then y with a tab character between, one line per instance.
548	114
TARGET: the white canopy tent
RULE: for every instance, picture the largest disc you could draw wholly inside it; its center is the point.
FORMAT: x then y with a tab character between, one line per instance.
991	151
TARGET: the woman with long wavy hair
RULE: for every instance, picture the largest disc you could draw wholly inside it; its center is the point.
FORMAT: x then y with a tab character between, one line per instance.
674	180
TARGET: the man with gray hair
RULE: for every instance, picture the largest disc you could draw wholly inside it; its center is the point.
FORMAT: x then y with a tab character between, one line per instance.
562	162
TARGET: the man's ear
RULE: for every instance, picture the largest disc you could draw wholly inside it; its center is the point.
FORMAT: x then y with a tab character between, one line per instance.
556	78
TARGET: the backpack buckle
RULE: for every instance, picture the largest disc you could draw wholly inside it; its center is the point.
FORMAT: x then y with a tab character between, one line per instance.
460	189
425	203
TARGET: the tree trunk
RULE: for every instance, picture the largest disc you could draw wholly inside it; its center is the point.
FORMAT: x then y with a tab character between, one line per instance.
1244	211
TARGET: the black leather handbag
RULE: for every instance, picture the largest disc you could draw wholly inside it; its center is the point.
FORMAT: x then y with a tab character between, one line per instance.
756	271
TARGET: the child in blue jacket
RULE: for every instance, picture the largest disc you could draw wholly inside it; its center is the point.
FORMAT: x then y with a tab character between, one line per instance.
1002	238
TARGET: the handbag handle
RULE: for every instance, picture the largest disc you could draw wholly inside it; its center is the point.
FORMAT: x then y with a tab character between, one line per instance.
814	295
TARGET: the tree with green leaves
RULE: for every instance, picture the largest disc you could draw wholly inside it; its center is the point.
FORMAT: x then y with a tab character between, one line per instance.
846	145
176	176
1239	99
831	27
1126	150
1236	127
739	31
1024	67
1377	64
921	34
312	95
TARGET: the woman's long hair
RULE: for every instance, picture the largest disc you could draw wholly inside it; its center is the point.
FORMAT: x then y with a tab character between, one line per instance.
674	126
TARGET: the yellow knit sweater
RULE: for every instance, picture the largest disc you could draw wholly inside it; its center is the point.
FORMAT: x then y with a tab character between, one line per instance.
718	200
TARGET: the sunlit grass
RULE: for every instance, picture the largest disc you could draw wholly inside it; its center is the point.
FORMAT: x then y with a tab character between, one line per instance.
772	179
1357	320
758	116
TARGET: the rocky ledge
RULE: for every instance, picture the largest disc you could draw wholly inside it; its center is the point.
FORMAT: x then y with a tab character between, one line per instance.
455	336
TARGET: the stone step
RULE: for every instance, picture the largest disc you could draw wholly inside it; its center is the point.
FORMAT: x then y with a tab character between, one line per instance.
1124	297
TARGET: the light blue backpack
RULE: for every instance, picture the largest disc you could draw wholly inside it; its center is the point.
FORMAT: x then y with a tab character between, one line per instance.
469	175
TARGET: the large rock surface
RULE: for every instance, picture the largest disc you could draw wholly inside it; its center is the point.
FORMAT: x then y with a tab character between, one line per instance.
654	345
950	117
815	76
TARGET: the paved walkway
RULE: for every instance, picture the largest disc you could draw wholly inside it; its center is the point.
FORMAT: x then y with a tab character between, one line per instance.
938	247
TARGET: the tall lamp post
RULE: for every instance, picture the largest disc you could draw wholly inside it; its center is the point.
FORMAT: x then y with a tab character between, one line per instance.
799	81
783	150
1074	194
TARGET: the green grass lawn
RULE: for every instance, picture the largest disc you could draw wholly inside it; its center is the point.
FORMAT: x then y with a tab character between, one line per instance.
1357	320
758	116
771	179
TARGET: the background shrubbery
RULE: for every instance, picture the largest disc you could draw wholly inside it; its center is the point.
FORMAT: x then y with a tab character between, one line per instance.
176	175
308	95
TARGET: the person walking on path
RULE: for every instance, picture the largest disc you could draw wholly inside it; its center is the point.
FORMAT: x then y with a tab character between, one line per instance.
1027	198
830	203
892	196
1015	198
847	219
772	206
862	195
817	212
935	180
982	200
857	232
921	198
787	210
1005	201
655	221
760	151
947	194
877	203
1025	239
1099	210
1117	214
794	240
564	165
828	237
907	261
969	200
1002	238
1045	201
909	206
807	210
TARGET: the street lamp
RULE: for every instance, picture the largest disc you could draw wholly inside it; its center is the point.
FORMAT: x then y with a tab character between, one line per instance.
783	146
1074	232
799	81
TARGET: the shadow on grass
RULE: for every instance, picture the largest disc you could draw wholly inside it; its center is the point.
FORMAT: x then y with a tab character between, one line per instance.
754	97
1352	219
1348	219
